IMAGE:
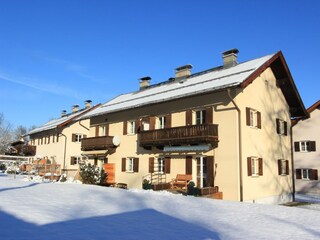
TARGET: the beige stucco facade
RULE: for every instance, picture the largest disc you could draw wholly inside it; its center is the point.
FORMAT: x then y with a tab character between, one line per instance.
304	131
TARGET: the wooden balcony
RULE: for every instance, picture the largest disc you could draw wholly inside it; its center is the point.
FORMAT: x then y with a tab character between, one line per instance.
97	143
24	150
194	134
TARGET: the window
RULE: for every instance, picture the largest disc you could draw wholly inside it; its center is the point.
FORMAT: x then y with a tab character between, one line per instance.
307	174
77	137
200	117
283	167
255	166
305	146
162	122
131	127
75	160
161	165
253	118
102	130
130	164
281	127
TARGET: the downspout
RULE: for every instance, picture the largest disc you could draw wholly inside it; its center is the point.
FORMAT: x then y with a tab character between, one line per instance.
292	165
64	153
240	145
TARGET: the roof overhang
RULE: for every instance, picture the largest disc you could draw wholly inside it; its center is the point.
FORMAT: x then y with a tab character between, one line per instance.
285	81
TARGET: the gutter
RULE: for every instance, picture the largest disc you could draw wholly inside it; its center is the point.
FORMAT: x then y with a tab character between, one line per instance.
240	145
292	166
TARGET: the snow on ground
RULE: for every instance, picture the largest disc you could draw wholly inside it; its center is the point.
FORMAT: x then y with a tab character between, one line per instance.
45	210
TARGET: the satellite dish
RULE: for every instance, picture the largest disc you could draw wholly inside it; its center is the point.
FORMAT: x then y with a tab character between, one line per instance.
116	141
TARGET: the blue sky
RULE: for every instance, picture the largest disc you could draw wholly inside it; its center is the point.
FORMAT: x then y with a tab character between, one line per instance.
55	54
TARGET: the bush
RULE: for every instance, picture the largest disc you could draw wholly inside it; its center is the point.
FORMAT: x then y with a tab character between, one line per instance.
91	174
146	184
192	189
3	167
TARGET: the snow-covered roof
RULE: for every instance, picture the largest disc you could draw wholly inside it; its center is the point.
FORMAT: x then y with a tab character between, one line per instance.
206	81
62	120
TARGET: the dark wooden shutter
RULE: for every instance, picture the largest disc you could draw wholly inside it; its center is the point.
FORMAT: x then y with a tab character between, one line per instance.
298	173
314	174
97	131
106	129
188	164
296	146
287	167
285	125
152	123
260	166
137	126
167	164
249	166
188	117
312	146
125	128
168	121
105	160
259	120
248	117
123	165
72	160
151	164
209	115
73	137
279	167
210	171
278	125
136	164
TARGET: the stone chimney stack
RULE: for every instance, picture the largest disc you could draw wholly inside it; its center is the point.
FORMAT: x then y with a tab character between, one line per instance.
230	58
183	71
75	108
144	82
88	104
63	113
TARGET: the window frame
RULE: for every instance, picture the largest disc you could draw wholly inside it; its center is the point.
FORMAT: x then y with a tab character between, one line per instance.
162	121
254	166
283	167
129	165
131	129
201	119
253	118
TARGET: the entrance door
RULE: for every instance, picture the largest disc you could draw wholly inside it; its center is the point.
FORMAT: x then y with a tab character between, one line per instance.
201	171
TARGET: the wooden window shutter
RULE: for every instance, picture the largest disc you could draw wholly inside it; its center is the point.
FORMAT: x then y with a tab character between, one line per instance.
136	164
298	173
296	146
287	167
73	137
97	131
249	166
137	126
210	160
106	160
72	160
285	128
152	123
248	117
123	165
259	120
314	173
209	115
260	167
188	117
151	164
278	125
168	121
125	128
188	164
312	146
167	164
106	129
279	167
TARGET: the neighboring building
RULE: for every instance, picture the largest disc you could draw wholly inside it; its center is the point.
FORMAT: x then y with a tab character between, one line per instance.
228	127
59	140
306	138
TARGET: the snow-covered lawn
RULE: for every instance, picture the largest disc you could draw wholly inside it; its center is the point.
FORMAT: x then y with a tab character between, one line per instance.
32	210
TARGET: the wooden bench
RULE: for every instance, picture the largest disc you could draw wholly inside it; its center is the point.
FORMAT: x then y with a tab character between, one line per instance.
181	181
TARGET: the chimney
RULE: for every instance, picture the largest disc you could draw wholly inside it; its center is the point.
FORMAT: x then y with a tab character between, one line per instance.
183	71
87	104
63	113
144	82
230	58
75	108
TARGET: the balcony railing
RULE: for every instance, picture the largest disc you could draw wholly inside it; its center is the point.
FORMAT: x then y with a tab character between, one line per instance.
97	143
25	150
194	134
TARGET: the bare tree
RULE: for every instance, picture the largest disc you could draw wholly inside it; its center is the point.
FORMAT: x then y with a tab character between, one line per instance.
19	132
5	134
